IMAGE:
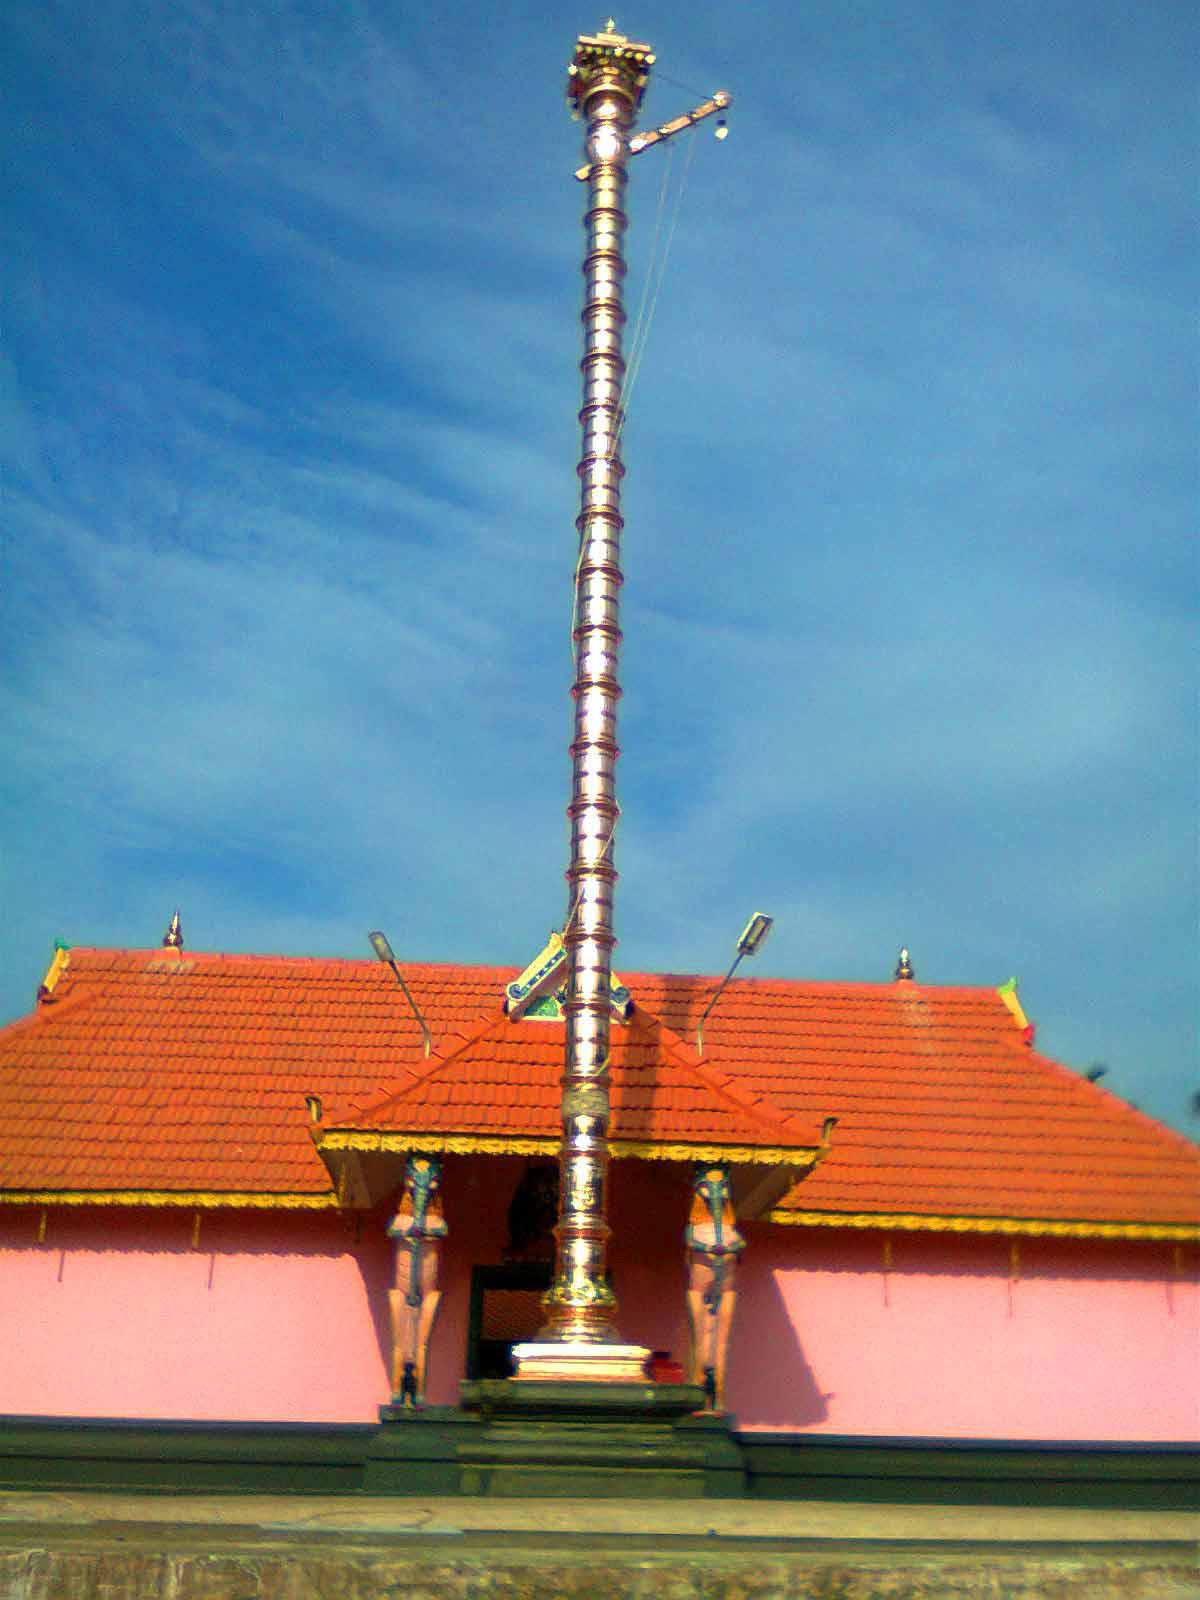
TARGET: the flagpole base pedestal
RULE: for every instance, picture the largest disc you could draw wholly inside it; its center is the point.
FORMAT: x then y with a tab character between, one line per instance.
569	1361
594	1439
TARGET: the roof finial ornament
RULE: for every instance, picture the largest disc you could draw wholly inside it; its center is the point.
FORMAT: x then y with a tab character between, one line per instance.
173	938
611	25
904	972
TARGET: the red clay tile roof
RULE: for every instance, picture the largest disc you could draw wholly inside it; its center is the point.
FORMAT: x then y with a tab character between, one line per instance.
167	1072
942	1107
161	1070
504	1077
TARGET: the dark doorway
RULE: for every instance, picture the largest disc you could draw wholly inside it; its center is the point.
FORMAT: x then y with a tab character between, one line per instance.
506	1309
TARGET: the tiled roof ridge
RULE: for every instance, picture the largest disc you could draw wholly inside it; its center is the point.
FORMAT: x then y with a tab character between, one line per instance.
883	988
723	1085
1112	1102
138	958
83	956
439	1059
335	1116
51	1009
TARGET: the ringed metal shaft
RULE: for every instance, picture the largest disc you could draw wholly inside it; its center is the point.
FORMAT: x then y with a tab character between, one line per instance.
607	80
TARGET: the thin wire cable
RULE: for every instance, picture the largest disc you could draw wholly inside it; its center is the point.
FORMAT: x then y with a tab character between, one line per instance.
635	366
656	272
638	337
661	77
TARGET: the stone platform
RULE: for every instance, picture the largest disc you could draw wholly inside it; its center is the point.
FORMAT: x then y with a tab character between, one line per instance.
443	1452
66	1546
522	1437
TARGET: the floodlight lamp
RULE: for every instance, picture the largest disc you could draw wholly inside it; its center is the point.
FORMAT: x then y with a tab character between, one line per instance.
754	933
381	947
752	936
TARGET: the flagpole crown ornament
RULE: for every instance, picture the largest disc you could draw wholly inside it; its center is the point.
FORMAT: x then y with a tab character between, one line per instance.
608	60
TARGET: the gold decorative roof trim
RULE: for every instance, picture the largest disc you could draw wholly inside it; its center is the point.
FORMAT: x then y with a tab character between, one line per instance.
759	1154
60	963
469	1144
452	1144
205	1199
915	1222
1008	993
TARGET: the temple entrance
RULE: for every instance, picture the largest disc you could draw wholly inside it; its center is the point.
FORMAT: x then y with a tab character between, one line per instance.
506	1299
506	1309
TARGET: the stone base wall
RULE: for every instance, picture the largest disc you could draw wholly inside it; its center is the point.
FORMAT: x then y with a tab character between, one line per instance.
163	1568
459	1453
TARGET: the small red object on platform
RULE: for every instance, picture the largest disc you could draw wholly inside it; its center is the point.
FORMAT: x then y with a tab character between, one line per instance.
662	1369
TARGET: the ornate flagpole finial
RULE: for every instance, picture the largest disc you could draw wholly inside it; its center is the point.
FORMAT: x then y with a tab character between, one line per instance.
173	938
904	971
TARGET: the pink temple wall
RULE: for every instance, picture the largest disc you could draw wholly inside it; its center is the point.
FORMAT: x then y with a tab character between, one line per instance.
275	1317
117	1315
1070	1340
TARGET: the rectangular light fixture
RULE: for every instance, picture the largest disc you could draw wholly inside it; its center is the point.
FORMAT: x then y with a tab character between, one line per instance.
753	934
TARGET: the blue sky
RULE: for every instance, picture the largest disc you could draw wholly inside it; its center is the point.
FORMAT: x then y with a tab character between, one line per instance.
289	400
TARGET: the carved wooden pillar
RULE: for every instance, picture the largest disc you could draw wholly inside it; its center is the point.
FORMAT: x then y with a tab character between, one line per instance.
713	1247
417	1231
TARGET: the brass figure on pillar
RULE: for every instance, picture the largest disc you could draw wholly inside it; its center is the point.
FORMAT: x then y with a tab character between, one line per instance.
417	1231
713	1247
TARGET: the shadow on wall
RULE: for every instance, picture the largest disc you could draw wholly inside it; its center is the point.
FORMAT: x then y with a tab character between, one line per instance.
373	1255
770	1382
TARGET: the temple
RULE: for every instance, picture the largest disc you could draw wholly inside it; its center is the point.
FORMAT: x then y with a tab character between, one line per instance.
209	1211
543	1228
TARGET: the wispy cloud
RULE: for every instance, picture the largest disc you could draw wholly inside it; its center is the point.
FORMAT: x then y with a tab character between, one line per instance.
289	445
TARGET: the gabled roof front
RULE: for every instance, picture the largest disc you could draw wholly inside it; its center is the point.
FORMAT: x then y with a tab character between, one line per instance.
166	1076
498	1087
